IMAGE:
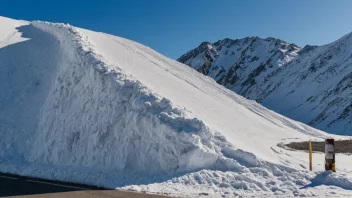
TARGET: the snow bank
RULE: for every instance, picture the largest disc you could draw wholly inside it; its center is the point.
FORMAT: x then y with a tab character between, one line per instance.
104	119
95	117
91	108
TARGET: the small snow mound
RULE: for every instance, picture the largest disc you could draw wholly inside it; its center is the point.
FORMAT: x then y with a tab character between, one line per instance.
249	181
332	179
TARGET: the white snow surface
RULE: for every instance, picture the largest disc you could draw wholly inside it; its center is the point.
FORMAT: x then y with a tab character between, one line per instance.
92	108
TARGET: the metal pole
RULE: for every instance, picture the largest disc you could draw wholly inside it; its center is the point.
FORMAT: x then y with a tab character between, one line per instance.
310	156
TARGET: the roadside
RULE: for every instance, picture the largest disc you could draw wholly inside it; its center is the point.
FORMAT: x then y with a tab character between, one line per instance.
93	194
341	146
20	186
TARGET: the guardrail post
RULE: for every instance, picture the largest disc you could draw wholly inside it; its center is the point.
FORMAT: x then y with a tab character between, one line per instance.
330	155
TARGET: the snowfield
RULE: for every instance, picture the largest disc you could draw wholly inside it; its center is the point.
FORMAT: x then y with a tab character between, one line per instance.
92	108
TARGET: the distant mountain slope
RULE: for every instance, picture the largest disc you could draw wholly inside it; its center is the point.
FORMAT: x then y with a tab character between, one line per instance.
312	85
316	88
240	64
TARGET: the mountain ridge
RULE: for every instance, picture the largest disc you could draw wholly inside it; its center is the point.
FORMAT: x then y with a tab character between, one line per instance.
258	83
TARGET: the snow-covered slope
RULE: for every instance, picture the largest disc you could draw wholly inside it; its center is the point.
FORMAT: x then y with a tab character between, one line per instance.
311	85
316	88
239	64
92	108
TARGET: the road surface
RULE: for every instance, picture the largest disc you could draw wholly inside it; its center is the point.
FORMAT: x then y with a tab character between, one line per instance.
341	146
19	186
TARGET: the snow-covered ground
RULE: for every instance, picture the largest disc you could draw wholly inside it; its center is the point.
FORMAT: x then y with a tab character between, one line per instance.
88	107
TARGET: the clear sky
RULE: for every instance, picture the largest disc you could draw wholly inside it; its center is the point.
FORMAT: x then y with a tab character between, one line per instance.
172	27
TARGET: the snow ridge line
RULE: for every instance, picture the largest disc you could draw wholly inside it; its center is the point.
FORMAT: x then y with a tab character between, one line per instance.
221	154
70	35
210	147
192	131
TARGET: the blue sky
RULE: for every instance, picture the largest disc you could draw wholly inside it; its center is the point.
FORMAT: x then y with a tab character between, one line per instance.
174	27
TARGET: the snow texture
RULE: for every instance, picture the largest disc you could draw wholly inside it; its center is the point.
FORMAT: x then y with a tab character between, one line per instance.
312	85
92	108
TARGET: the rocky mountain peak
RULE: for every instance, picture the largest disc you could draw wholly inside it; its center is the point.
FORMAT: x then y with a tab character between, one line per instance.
240	63
311	84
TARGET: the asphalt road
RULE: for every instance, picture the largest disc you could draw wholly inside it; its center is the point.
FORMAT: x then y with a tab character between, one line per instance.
341	146
19	186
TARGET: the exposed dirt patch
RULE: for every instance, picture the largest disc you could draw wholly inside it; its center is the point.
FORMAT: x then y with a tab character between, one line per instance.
341	146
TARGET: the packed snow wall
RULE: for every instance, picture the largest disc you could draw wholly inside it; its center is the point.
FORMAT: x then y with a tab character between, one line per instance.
77	112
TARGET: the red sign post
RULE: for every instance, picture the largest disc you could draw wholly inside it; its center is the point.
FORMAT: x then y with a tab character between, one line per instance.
330	155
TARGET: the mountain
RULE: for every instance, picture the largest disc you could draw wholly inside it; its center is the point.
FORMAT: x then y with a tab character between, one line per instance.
240	64
310	84
92	108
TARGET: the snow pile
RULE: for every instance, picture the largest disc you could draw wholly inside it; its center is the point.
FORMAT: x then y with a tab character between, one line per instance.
328	178
87	107
81	121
